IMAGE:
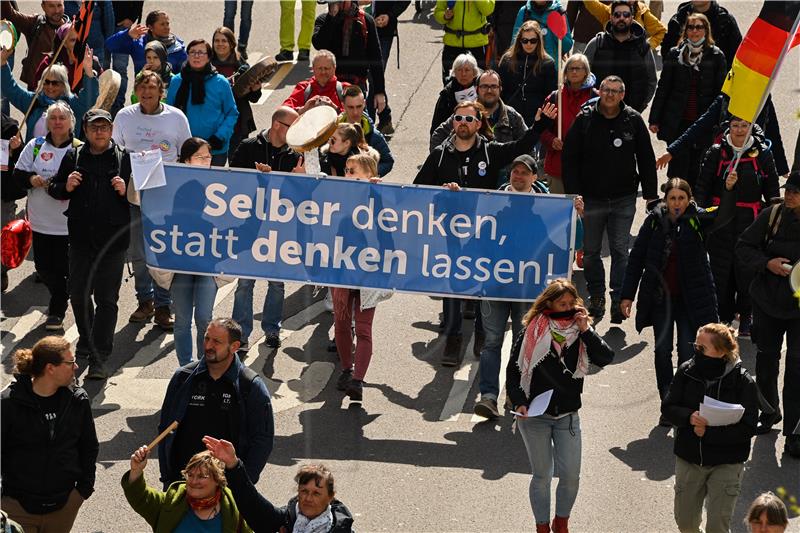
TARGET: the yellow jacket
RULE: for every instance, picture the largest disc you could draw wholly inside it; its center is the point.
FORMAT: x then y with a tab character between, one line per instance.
655	30
468	16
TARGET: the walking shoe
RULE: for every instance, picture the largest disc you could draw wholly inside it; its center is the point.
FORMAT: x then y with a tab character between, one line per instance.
560	524
242	48
344	379
355	390
386	127
143	313
452	350
765	423
97	370
542	528
616	313
273	340
477	346
468	312
163	318
487	408
597	307
745	326
303	54
579	258
285	55
792	446
329	300
54	323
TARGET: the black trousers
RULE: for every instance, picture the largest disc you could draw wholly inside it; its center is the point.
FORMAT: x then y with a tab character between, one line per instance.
51	259
95	279
768	334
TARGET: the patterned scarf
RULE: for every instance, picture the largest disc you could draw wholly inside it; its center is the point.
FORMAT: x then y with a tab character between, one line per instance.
543	335
320	524
354	15
690	55
202	504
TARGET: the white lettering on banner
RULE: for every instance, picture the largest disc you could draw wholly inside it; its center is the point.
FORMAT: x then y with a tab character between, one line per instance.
280	209
503	271
194	247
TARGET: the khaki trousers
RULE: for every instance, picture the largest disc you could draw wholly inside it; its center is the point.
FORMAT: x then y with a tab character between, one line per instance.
717	486
56	522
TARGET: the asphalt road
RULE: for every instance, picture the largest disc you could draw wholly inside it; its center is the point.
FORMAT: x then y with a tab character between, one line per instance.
412	457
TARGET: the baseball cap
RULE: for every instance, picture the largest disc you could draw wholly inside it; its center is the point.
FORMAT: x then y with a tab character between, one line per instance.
97	114
793	182
526	160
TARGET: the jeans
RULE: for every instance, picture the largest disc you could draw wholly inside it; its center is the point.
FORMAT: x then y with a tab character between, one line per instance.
270	315
191	293
245	21
452	317
386	48
146	288
95	274
51	258
667	317
346	306
495	316
612	216
718	486
552	444
306	24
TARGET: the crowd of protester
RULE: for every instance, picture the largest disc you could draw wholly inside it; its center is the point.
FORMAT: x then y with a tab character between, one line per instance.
709	266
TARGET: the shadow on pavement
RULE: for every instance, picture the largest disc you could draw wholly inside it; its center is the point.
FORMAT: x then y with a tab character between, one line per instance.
640	453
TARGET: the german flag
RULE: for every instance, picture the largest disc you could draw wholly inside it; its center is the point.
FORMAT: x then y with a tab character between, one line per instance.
759	57
81	25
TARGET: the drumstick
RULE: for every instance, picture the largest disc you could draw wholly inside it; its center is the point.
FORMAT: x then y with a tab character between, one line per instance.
162	435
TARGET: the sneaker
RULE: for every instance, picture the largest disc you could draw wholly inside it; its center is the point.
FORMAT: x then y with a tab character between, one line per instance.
597	307
285	55
579	258
344	379
54	323
143	313
242	48
792	446
303	54
765	423
745	326
329	300
163	318
616	313
97	370
386	128
273	340
452	351
477	346
487	408
355	390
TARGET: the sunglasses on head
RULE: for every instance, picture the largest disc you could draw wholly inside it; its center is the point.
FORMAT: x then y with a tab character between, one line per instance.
534	40
465	118
622	14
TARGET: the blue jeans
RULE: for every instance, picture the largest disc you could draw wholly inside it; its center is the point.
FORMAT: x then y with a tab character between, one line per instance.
614	217
271	313
452	316
666	317
495	316
552	443
245	21
192	294
146	288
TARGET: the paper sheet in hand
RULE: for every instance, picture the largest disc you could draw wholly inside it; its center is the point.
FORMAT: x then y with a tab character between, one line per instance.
148	170
4	149
538	405
720	413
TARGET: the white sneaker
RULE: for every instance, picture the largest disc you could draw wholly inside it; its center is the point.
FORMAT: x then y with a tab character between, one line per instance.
329	301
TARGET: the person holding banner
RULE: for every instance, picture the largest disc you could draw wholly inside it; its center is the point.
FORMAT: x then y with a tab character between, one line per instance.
550	358
347	140
709	462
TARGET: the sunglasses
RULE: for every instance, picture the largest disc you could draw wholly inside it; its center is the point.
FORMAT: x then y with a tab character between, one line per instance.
697	27
52	82
523	40
469	119
622	14
699	348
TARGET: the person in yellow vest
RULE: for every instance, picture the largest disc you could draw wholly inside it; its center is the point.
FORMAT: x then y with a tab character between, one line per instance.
465	30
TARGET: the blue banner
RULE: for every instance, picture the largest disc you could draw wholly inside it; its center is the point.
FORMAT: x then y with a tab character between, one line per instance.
343	232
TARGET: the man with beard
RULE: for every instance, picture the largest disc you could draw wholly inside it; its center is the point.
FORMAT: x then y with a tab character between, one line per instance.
622	50
220	397
607	154
469	159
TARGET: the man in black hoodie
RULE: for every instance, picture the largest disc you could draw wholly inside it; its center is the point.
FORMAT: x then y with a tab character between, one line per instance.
724	28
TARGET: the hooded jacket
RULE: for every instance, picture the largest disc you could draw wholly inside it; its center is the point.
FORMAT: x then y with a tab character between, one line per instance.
447	100
720	444
524	88
641	14
258	149
39	35
509	126
723	27
41	465
246	123
467	28
122	43
531	11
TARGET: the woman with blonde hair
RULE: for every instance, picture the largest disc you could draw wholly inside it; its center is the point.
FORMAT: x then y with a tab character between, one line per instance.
710	459
552	355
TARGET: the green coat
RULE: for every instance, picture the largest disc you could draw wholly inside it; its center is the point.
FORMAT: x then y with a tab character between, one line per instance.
164	511
468	16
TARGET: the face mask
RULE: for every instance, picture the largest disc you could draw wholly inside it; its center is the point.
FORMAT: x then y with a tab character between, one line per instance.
563	314
698	42
709	367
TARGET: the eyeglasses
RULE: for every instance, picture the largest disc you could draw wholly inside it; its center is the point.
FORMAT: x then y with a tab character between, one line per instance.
611	92
52	82
622	14
285	124
697	27
523	40
191	476
699	348
69	362
487	87
198	53
99	127
469	119
575	69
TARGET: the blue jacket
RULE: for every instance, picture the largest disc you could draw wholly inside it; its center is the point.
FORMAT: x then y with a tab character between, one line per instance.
103	23
530	12
121	43
21	99
216	116
256	425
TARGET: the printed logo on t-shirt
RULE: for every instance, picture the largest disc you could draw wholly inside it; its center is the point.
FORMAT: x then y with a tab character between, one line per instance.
46	156
49	416
164	146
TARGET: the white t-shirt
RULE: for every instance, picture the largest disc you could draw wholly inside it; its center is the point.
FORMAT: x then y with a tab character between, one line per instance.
46	214
166	131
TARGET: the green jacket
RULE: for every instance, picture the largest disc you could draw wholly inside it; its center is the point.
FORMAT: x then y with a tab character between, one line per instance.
468	16
165	511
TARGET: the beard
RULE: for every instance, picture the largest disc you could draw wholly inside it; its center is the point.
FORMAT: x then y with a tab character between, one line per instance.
462	132
621	28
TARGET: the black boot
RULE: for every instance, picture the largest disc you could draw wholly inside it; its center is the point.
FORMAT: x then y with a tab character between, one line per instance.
597	307
451	355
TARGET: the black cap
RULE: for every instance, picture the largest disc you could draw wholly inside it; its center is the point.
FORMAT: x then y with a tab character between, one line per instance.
793	182
526	160
97	114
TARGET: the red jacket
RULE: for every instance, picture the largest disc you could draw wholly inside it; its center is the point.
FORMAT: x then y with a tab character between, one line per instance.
571	102
298	98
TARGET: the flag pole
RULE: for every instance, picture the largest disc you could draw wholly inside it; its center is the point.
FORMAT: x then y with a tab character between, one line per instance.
560	89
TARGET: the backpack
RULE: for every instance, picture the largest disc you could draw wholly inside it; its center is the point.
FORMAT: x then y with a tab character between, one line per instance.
339	92
774	222
37	147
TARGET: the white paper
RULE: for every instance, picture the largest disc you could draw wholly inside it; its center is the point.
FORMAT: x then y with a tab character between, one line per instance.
538	405
4	152
720	413
148	170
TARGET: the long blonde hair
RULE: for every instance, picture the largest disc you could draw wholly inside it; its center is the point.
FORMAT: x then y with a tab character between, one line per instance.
515	49
557	288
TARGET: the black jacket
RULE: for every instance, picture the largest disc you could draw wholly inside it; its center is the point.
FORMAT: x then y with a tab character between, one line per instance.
263	517
447	102
772	294
550	374
486	159
394	10
42	465
674	86
720	444
595	167
525	90
723	27
648	260
259	150
97	215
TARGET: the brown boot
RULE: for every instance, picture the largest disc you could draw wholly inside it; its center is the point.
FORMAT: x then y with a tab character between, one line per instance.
560	524
542	528
163	318
143	313
451	355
